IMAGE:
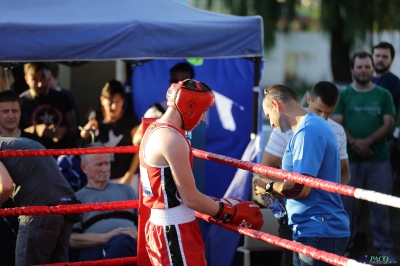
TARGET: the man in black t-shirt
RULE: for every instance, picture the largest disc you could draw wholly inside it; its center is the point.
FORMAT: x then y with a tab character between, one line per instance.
46	112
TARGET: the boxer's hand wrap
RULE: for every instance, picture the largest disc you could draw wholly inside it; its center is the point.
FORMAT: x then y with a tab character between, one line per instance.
226	212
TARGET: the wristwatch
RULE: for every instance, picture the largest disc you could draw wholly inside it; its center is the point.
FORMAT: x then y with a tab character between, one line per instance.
269	186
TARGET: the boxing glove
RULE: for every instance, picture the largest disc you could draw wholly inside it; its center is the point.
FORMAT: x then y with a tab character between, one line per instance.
242	213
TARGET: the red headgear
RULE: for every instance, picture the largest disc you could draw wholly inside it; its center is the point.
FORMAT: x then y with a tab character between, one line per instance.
192	98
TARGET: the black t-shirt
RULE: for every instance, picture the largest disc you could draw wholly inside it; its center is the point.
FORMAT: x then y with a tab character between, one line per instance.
115	135
37	180
48	109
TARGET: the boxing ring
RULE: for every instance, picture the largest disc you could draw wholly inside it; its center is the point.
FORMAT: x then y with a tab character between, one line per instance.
144	212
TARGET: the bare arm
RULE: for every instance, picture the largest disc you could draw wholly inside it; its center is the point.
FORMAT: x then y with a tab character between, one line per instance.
127	178
6	184
90	127
87	240
383	131
344	172
166	146
283	188
357	145
271	160
137	137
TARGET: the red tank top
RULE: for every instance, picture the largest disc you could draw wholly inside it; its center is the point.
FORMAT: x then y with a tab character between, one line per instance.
158	186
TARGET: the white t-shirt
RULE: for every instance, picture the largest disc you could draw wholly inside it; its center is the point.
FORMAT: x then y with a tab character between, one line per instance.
278	141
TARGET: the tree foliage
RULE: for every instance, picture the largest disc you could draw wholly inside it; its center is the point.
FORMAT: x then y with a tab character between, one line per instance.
347	21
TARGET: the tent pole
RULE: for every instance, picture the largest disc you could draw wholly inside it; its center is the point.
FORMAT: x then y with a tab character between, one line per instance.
256	82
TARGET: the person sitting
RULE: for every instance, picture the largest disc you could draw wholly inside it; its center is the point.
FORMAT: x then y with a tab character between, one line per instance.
104	234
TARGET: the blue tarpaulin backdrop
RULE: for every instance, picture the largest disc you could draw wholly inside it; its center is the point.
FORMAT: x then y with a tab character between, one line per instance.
228	122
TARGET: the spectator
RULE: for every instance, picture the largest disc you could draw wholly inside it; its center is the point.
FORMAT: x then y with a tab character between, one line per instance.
46	112
53	82
104	234
366	111
114	127
322	101
36	181
10	114
316	217
383	55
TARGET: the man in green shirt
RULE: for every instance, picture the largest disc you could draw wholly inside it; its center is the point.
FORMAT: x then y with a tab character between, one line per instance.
366	112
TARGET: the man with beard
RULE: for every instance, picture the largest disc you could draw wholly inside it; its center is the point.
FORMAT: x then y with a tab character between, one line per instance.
366	111
383	55
46	113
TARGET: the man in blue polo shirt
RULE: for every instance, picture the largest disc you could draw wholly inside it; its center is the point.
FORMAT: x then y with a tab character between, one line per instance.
316	217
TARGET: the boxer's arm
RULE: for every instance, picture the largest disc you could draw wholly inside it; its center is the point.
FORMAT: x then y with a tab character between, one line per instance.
6	184
175	150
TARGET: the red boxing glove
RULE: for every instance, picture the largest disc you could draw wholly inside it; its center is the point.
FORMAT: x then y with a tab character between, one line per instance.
242	213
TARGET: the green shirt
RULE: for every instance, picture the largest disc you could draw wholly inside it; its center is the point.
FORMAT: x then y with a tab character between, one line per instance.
363	112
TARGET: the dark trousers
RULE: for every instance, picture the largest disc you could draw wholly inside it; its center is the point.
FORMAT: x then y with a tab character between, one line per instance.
286	233
332	245
42	239
119	246
8	233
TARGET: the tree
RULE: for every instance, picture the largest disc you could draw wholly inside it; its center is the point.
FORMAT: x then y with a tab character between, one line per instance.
346	21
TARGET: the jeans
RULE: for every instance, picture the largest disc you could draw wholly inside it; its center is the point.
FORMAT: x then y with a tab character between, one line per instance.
42	239
332	245
375	176
119	246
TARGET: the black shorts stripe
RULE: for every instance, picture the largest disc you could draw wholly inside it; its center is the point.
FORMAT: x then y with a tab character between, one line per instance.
173	245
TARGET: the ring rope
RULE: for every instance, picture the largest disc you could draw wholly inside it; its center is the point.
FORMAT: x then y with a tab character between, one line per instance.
70	208
72	151
284	243
105	262
329	186
358	193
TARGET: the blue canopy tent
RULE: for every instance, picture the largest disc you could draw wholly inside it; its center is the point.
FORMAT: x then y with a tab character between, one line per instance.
161	30
126	29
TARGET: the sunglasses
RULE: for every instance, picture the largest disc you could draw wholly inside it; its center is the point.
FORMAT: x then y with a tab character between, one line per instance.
275	95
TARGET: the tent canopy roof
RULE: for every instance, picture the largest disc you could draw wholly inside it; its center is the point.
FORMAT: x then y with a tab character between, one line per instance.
87	30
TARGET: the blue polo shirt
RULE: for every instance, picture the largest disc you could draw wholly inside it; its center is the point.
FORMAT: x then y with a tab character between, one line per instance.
313	150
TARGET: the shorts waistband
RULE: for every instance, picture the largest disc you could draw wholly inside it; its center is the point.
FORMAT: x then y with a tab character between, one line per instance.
173	216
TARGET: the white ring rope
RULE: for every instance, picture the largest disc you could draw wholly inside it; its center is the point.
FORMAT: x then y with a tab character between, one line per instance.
377	197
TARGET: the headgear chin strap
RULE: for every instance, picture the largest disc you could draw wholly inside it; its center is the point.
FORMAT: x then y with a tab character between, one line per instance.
192	98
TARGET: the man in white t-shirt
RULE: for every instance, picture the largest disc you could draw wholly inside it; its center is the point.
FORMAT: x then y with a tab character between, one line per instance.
322	100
